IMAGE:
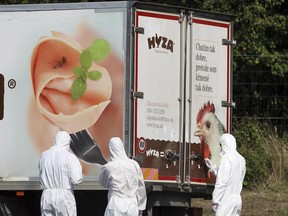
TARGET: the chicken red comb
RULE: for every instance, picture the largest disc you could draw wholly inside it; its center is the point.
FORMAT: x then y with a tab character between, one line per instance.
205	109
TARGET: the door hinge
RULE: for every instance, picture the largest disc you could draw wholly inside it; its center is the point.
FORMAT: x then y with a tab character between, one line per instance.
139	95
228	104
228	42
139	30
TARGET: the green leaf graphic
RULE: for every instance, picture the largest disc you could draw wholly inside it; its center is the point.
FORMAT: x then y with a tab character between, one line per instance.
84	76
99	49
94	75
86	59
78	88
78	71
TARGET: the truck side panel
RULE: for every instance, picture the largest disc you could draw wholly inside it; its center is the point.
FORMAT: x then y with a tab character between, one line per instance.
40	51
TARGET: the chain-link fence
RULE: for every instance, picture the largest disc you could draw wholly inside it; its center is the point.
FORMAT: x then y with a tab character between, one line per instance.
262	95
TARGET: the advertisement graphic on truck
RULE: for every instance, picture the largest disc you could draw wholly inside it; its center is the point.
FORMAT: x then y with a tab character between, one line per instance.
158	77
45	57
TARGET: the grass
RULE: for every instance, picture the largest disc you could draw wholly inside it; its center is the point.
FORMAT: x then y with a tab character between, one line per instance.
272	202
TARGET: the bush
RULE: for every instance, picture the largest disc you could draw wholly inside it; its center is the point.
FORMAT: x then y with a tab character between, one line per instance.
265	152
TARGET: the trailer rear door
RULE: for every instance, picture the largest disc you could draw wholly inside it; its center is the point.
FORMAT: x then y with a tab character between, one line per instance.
182	72
208	90
158	113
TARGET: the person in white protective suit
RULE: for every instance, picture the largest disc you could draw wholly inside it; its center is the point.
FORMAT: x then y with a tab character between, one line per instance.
59	169
226	198
123	177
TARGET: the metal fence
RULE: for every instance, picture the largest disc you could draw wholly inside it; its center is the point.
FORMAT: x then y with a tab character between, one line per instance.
262	95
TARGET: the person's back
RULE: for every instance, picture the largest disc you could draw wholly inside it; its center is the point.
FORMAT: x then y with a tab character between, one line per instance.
59	169
123	169
235	183
123	177
226	196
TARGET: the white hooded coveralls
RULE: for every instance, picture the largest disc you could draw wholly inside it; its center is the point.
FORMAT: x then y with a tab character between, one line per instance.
59	170
226	198
123	177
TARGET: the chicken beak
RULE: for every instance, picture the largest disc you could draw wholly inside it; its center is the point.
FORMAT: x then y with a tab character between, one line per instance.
198	132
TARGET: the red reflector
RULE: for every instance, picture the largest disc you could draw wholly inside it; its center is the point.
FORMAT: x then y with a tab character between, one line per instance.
20	193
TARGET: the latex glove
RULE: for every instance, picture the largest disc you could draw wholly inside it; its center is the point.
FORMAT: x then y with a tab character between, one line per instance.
214	207
212	167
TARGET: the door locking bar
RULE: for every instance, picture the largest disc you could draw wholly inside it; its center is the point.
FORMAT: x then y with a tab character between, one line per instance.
228	104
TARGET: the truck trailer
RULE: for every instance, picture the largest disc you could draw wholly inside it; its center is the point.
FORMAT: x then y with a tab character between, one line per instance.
157	76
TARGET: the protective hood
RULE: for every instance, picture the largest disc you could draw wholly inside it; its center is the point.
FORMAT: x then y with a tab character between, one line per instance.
116	148
62	140
228	143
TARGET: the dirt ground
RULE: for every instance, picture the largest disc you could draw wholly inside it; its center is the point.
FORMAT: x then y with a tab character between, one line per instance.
255	203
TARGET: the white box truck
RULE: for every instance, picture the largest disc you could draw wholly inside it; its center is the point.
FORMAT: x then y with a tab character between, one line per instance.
157	76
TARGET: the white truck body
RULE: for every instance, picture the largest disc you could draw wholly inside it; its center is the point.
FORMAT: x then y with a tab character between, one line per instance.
165	64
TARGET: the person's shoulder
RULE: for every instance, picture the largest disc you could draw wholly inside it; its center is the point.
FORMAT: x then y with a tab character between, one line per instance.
45	152
70	155
240	155
228	157
135	163
242	158
110	165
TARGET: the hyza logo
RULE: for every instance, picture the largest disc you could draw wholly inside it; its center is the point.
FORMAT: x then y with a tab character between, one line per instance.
152	152
160	42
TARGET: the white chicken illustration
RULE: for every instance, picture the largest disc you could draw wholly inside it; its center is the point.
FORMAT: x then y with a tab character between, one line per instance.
209	129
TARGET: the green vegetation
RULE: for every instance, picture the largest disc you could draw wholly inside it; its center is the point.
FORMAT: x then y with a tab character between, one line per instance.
255	203
265	152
